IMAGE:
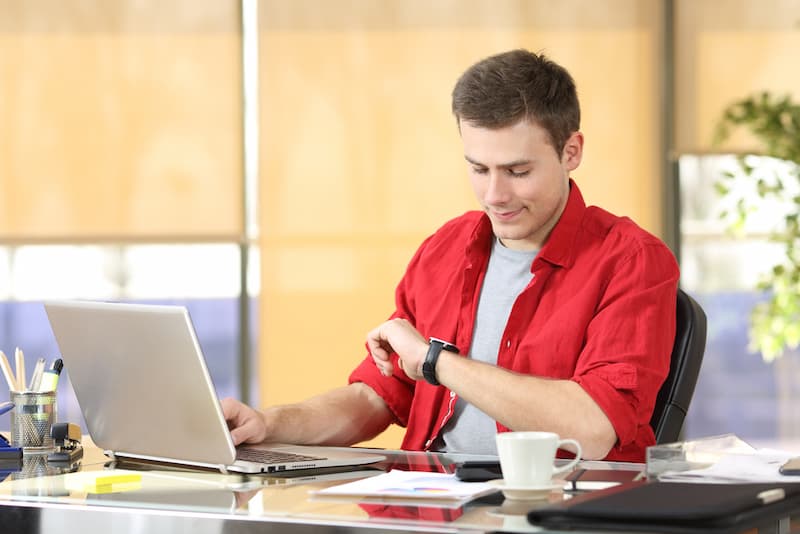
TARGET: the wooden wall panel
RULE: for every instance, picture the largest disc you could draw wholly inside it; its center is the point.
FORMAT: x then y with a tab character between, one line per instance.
120	119
725	51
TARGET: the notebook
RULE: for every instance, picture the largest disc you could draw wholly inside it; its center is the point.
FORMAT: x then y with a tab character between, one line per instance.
145	392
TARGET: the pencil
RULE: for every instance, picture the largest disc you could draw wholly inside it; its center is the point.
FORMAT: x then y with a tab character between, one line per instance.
20	369
12	383
36	377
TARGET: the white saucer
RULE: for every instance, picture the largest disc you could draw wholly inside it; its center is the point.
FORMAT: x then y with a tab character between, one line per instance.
526	493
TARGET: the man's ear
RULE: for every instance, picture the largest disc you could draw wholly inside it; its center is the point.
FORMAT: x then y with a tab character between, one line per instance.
573	151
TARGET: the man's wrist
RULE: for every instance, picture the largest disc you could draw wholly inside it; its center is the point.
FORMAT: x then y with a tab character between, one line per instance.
435	348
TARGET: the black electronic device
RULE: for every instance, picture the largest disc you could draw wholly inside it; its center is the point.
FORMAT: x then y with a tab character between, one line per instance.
429	365
479	471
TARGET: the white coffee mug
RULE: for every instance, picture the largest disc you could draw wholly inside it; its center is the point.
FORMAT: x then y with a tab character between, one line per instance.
528	458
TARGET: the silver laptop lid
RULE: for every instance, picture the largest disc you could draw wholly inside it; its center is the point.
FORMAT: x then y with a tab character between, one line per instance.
141	380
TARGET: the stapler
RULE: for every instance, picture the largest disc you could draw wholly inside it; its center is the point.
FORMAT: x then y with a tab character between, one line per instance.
67	440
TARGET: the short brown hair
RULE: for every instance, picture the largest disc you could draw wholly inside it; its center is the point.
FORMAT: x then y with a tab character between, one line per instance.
505	88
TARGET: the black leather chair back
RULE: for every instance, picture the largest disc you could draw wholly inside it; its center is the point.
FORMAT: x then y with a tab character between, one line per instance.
675	394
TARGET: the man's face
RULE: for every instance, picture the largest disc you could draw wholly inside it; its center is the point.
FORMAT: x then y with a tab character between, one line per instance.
519	179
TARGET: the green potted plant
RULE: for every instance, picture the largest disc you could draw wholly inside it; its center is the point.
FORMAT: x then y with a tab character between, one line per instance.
775	123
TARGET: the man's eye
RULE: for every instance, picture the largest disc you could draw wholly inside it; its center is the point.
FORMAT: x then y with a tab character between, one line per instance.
479	170
517	174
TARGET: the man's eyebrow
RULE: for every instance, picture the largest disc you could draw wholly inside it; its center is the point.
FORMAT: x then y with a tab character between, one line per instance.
510	164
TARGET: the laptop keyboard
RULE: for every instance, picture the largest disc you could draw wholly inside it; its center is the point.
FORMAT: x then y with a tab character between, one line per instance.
272	457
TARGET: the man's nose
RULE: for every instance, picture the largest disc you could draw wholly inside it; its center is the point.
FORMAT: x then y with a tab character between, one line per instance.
497	191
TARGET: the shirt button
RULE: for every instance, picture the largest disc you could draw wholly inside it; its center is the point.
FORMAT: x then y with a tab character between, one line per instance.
508	343
452	394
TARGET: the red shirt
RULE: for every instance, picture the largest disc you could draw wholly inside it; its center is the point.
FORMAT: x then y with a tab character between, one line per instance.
599	310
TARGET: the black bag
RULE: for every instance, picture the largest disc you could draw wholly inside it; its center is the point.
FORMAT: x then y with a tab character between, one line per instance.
673	507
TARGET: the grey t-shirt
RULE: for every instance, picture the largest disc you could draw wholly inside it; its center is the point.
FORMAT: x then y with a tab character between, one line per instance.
470	430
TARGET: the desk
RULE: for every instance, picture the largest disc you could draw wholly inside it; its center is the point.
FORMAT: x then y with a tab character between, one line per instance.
44	498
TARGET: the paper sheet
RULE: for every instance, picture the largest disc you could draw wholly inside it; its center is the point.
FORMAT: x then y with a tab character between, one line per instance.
410	485
759	466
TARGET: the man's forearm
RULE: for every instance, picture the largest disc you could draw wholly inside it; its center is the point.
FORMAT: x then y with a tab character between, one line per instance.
521	402
340	417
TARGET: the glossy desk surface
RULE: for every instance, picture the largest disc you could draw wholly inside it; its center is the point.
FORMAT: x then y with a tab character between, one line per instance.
41	497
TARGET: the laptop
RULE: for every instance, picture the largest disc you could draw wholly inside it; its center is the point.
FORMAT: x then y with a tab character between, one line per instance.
145	392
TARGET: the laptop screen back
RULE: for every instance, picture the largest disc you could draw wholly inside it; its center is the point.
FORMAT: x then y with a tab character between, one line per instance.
141	380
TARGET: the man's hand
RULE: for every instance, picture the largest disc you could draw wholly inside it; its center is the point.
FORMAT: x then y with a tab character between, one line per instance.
246	424
400	337
341	417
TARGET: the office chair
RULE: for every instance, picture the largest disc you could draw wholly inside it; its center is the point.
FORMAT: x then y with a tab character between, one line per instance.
675	394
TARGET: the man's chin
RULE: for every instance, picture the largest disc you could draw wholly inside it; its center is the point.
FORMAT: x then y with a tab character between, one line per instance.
514	238
505	230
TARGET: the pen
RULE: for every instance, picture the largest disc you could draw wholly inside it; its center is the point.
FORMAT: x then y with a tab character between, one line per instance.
6	407
49	379
12	382
36	377
574	478
20	369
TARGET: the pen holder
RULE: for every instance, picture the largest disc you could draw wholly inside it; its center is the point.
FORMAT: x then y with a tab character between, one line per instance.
31	418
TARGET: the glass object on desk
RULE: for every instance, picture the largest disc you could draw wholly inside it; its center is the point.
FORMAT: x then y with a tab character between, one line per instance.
692	454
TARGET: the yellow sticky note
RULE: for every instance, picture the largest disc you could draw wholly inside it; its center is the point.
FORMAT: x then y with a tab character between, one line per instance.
103	481
118	487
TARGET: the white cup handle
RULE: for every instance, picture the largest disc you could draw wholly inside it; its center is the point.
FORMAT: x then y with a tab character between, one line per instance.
574	461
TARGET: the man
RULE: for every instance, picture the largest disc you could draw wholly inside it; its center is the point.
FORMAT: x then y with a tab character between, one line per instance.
549	315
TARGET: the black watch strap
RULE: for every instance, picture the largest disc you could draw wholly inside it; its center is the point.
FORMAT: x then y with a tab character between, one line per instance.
429	365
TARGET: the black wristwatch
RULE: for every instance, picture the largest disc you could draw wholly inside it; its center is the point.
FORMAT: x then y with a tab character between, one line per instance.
429	365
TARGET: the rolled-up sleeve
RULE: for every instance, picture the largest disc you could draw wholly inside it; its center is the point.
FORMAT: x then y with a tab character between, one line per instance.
628	344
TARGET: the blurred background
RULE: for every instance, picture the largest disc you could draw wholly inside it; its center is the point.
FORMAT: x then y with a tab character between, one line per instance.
274	164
